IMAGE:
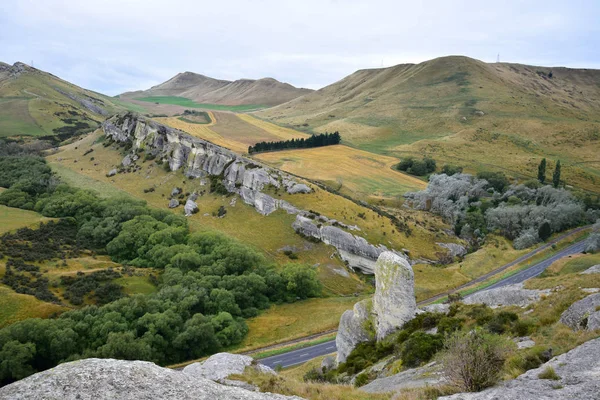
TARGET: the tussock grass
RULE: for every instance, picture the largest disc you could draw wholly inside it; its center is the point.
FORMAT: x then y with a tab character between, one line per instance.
14	218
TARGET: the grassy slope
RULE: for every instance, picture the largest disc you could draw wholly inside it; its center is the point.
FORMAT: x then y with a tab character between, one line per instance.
14	218
430	108
29	104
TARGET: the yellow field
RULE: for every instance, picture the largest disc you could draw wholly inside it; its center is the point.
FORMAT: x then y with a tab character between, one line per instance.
279	131
16	307
14	218
355	172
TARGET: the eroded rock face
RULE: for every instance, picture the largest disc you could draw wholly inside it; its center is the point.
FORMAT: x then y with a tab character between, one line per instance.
126	380
578	315
353	329
394	302
355	250
200	158
579	372
190	207
510	295
454	249
428	375
221	365
592	270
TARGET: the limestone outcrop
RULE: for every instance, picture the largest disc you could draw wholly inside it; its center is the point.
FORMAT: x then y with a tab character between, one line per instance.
190	207
101	379
595	269
200	158
355	250
579	372
394	302
221	365
353	329
392	305
427	375
454	249
580	313
510	295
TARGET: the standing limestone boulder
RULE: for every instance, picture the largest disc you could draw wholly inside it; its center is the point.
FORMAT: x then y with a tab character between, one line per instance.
221	365
394	301
353	329
173	203
190	207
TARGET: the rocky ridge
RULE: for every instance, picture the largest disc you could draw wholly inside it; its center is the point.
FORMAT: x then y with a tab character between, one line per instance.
126	380
509	295
199	158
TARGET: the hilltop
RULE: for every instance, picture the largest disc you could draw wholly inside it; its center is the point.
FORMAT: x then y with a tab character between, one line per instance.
463	111
37	103
205	90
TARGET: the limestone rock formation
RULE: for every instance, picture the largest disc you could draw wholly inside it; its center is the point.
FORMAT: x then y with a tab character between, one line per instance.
190	207
593	322
454	249
394	302
109	379
327	363
221	365
578	315
175	192
173	203
442	308
112	172
579	372
595	269
510	295
353	329
428	375
355	250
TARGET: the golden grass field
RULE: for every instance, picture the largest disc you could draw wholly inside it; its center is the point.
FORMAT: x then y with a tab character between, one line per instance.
16	307
351	171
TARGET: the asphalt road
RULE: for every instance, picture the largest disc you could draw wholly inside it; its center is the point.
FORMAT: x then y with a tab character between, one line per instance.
308	353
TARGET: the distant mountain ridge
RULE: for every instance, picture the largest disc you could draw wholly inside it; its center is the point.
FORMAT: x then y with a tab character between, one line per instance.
204	89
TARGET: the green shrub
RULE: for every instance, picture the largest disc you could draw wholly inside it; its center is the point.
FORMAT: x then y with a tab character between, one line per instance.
419	348
549	373
361	380
448	325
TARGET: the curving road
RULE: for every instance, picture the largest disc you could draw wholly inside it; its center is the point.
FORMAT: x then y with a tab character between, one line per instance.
308	353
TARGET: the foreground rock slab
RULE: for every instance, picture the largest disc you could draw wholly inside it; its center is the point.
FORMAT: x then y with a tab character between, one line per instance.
125	380
578	315
579	372
428	375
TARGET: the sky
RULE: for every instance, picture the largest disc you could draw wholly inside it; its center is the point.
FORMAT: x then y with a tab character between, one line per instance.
113	46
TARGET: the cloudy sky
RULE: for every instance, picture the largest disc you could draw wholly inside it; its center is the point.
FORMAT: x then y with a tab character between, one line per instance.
113	46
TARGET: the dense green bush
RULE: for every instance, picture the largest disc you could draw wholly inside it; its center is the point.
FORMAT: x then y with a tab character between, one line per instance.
417	167
420	347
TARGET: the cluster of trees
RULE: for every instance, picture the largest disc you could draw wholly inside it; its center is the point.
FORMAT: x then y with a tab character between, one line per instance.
318	140
27	279
417	167
524	213
209	285
555	175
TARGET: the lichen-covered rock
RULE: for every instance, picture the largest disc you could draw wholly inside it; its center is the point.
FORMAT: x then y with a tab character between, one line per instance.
579	372
577	316
173	203
428	375
190	207
176	191
510	295
442	308
595	269
327	363
353	329
221	365
112	172
107	379
394	301
127	160
593	322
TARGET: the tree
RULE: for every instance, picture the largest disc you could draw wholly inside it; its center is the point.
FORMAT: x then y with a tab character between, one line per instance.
542	171
473	360
16	358
556	175
545	231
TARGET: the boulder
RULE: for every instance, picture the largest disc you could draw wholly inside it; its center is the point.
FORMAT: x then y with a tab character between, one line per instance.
190	207
510	295
353	329
298	188
175	192
327	363
127	161
578	315
112	172
524	342
442	308
221	365
101	379
428	375
455	250
594	321
579	372
394	302
173	203
592	270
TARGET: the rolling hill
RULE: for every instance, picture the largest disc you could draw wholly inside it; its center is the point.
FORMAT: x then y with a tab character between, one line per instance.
465	112
39	104
209	91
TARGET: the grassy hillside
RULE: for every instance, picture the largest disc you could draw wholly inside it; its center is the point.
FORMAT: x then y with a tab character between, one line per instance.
184	102
36	103
465	112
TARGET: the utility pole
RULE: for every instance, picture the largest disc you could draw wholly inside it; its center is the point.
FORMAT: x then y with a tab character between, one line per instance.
498	58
